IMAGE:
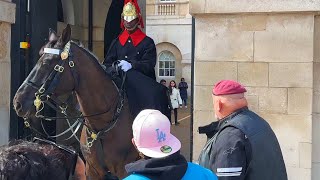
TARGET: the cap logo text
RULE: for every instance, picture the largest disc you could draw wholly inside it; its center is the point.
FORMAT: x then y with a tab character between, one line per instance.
161	136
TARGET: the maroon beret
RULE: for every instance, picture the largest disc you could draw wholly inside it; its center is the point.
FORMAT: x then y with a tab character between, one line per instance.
226	87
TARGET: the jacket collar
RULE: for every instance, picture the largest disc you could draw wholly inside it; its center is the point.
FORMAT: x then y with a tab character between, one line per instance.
226	119
211	129
136	37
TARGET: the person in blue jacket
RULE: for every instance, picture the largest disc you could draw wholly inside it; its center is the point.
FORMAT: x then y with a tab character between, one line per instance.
160	152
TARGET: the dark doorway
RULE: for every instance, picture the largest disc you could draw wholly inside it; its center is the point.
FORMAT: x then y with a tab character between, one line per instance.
112	26
33	18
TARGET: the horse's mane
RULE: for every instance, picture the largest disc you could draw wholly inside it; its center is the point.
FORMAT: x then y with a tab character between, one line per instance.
87	52
95	60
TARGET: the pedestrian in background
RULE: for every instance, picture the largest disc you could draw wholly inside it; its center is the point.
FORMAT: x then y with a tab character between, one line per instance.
183	86
175	100
168	112
243	147
160	152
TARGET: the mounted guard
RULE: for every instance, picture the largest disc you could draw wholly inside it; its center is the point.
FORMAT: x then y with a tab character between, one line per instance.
135	54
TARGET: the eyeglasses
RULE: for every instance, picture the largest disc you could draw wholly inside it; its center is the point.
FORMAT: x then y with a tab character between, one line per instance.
72	152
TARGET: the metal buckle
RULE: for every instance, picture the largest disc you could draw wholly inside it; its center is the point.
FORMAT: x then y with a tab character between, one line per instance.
63	109
61	69
41	90
26	123
58	68
71	64
89	144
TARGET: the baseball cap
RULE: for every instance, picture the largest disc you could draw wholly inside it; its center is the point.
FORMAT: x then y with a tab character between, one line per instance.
151	134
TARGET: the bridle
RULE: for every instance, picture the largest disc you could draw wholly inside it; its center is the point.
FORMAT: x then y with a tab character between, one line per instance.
44	95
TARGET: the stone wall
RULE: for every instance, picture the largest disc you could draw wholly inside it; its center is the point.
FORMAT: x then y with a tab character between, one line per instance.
275	56
7	17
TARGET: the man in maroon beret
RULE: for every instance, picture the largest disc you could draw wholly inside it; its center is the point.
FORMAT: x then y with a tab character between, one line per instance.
241	145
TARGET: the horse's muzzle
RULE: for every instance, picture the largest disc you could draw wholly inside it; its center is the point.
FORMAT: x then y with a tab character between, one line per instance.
20	107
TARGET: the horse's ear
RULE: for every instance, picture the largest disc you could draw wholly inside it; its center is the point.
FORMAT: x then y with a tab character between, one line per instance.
52	35
66	35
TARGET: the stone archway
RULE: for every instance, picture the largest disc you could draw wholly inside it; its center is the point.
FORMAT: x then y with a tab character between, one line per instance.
166	46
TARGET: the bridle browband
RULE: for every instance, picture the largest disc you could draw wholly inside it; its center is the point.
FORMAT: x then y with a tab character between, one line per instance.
44	95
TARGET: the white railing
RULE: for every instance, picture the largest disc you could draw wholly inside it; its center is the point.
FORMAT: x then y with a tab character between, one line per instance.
173	8
167	9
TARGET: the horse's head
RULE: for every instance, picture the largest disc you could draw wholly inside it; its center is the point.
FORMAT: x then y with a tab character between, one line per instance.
50	76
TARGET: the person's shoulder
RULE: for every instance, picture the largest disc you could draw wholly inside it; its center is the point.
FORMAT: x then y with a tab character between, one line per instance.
230	134
231	131
148	39
201	172
136	177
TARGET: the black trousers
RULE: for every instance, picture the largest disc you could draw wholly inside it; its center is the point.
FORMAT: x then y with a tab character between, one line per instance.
175	111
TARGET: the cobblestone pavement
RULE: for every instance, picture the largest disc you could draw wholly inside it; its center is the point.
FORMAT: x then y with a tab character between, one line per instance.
182	131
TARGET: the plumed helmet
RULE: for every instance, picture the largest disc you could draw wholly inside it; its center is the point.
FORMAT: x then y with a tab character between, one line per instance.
131	11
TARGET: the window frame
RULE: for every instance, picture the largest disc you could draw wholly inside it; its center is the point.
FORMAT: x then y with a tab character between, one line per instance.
170	54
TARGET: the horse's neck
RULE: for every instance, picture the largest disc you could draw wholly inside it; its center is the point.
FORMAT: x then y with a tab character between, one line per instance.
96	93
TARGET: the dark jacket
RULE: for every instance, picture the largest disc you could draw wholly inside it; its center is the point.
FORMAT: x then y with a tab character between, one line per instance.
142	90
244	147
173	167
183	86
168	112
143	57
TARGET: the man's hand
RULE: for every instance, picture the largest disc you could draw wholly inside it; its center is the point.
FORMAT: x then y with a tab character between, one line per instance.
125	65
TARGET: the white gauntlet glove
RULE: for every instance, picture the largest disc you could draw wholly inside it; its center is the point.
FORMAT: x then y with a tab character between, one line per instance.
125	65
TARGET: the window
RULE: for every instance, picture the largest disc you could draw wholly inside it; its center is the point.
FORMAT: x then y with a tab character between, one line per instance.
167	64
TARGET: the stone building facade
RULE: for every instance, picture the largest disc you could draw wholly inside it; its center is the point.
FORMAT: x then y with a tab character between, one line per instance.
7	17
169	24
273	48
